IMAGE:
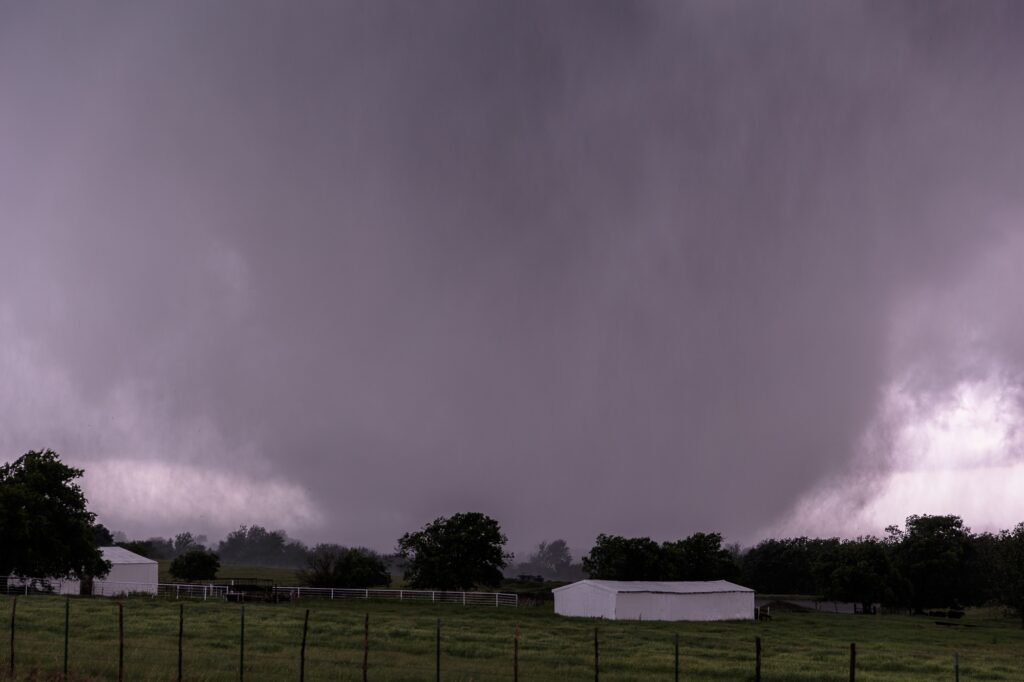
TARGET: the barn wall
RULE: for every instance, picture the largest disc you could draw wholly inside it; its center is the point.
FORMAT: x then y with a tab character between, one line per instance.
128	578
706	606
585	600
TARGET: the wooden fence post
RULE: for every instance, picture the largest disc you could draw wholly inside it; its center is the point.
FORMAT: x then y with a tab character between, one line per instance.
67	631
120	642
181	637
597	658
241	649
757	659
677	656
302	651
515	656
853	661
956	666
438	649
14	610
366	644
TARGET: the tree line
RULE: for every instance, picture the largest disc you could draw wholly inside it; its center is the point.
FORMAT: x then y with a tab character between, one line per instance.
931	562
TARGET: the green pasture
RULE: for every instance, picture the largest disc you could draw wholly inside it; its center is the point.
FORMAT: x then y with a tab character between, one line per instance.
477	643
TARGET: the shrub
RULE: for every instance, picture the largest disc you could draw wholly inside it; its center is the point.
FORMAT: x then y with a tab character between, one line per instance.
195	564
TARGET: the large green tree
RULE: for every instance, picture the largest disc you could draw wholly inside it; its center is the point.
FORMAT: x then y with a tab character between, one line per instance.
332	565
614	557
1009	571
257	546
195	564
552	561
455	553
698	557
46	529
933	553
785	566
859	571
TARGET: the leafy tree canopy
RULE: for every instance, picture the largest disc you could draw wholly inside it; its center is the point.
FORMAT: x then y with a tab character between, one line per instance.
857	571
186	542
933	553
258	546
331	565
153	548
46	529
195	564
102	536
1010	569
455	553
785	566
551	561
614	557
698	557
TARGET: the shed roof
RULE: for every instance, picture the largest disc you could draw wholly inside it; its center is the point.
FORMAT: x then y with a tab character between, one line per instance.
120	555
661	586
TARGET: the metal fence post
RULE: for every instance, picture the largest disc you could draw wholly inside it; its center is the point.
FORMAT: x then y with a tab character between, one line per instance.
14	610
302	651
366	644
757	659
181	636
677	656
956	666
438	651
853	661
241	649
515	655
120	642
597	658
67	630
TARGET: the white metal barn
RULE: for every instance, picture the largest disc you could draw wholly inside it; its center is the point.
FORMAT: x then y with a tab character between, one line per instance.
129	572
654	600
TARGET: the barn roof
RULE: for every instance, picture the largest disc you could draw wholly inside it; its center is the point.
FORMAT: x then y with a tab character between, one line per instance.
120	555
661	586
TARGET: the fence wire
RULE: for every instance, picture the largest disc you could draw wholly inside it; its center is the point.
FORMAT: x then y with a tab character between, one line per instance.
155	639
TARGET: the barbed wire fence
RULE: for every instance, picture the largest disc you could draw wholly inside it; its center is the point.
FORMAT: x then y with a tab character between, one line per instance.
73	638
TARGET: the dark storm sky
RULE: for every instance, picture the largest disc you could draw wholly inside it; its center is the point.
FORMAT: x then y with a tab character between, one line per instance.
628	267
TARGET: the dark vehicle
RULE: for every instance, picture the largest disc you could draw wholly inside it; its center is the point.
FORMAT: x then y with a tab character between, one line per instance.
252	589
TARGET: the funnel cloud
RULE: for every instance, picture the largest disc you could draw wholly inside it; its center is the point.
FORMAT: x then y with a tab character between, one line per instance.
633	268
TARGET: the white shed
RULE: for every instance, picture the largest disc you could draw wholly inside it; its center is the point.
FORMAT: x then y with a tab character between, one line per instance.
655	600
129	572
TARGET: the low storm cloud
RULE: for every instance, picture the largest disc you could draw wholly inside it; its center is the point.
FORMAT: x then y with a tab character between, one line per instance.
635	268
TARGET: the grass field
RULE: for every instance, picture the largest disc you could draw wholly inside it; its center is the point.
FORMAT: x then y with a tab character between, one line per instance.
477	643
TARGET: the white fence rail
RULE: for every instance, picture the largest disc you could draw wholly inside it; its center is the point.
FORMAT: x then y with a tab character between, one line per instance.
437	596
182	591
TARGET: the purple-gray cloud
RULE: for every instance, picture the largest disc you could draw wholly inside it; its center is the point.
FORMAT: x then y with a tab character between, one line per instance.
642	268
